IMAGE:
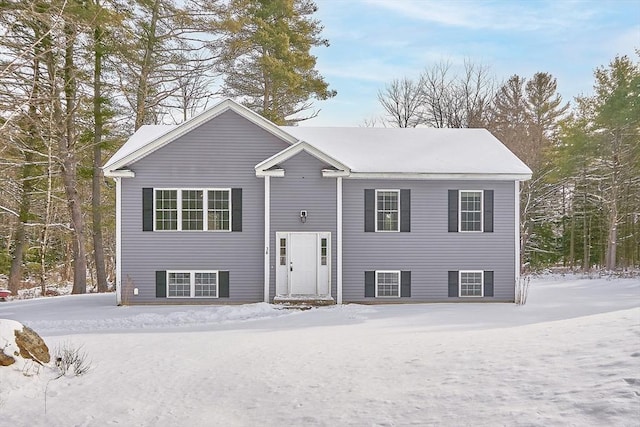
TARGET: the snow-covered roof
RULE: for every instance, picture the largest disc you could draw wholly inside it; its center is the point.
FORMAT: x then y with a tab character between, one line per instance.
143	136
414	150
358	151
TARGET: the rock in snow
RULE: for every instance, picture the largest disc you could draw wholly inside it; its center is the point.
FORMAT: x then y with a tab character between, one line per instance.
19	343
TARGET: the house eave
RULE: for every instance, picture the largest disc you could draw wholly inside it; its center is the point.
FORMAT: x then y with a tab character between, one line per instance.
332	173
120	173
293	150
196	121
279	173
441	176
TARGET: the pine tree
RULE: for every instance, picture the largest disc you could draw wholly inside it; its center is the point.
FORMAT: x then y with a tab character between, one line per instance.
265	57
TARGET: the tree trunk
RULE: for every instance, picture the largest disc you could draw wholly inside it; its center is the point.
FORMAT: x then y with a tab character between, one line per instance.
69	167
98	244
15	275
145	71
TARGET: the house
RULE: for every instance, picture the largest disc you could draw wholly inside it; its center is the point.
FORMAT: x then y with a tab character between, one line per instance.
230	208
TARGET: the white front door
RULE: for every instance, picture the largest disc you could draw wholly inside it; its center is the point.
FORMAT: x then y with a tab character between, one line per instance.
303	263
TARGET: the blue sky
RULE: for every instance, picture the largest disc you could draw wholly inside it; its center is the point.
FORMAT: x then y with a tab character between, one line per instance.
375	41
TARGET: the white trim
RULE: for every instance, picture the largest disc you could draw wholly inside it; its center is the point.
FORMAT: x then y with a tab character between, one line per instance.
194	122
118	181
192	283
205	209
291	151
440	176
120	173
267	232
399	283
517	233
377	210
331	173
460	230
460	283
339	240
278	173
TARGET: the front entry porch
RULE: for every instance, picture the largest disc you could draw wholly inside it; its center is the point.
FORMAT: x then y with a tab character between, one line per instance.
303	268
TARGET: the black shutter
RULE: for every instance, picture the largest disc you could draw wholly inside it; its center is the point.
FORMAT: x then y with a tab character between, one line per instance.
488	283
405	210
369	283
453	283
488	211
147	209
236	209
453	211
223	284
369	210
161	284
405	283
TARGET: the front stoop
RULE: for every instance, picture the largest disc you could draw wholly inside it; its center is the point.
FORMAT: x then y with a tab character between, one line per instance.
303	301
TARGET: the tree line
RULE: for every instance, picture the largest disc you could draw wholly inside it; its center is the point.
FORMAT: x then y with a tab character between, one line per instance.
78	76
581	208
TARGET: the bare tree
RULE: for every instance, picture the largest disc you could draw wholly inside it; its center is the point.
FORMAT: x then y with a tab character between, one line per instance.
403	102
457	101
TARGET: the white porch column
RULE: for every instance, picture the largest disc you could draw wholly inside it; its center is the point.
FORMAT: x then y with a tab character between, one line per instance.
118	181
517	231
267	232
339	240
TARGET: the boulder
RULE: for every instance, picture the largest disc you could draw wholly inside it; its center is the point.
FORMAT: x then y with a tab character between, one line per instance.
19	343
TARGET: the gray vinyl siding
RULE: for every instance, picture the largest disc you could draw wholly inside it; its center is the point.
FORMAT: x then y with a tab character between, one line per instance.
303	188
429	251
221	153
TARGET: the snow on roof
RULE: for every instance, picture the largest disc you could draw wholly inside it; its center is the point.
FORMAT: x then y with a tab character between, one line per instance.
143	136
413	150
363	150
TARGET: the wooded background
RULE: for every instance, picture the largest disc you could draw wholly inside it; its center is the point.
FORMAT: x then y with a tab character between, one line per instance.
77	77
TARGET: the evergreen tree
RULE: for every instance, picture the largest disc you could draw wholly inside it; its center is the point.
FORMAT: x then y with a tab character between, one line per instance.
265	57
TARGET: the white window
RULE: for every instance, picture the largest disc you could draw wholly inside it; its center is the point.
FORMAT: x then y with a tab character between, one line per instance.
219	213
470	210
192	284
387	210
283	251
166	210
471	283
387	284
193	209
192	217
324	250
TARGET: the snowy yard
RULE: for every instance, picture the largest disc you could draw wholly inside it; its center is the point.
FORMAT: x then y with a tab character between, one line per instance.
571	356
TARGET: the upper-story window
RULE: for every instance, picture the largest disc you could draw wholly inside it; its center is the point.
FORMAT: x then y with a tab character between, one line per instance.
166	209
199	209
470	211
387	210
192	217
219	216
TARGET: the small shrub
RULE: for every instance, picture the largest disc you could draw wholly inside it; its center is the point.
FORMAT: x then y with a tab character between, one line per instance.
71	360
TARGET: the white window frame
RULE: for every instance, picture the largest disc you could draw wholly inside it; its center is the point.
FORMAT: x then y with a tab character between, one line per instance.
192	283
181	209
481	283
460	211
155	208
378	211
377	272
205	209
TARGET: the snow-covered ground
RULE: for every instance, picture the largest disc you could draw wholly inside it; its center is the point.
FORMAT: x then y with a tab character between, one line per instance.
571	356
